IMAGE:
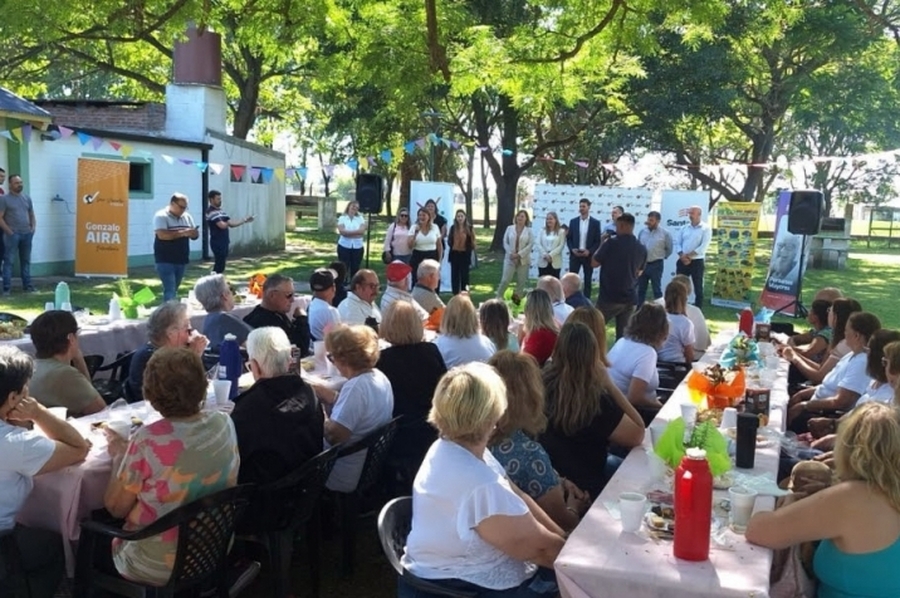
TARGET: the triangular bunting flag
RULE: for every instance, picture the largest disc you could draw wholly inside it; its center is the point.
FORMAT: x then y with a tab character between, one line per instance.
266	175
169	159
237	172
371	161
386	156
329	170
558	161
96	142
201	166
83	138
409	146
279	174
420	143
115	145
186	161
254	173
16	134
216	168
65	132
7	134
581	164
352	164
508	152
126	150
303	171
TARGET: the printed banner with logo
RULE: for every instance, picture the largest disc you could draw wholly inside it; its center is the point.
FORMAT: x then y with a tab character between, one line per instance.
738	223
101	222
442	194
782	286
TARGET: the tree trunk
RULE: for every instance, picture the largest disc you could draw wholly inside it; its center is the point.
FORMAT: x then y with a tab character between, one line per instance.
485	196
388	197
409	171
506	176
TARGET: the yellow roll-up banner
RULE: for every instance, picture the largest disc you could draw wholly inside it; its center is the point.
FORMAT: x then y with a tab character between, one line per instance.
101	221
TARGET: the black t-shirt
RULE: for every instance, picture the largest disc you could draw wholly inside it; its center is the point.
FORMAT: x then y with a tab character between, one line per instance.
620	260
297	329
279	428
414	371
581	457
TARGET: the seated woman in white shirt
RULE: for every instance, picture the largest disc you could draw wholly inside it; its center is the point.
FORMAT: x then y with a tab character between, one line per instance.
459	341
843	385
838	314
633	358
472	529
881	389
51	446
679	344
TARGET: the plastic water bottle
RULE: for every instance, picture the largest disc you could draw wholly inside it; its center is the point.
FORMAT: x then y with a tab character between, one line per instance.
230	363
62	295
115	310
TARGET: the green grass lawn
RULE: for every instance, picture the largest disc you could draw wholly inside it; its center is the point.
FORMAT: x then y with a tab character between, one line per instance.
871	276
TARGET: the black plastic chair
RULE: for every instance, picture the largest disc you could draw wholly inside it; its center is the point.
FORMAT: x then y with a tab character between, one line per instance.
394	523
280	510
93	363
113	387
205	528
376	443
13	581
671	373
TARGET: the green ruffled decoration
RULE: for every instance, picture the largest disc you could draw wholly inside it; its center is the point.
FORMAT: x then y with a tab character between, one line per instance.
671	447
514	308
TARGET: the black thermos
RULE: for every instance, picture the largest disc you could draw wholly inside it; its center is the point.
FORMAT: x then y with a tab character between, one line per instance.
745	454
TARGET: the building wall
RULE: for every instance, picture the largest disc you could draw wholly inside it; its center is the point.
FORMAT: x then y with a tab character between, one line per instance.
264	201
54	168
140	117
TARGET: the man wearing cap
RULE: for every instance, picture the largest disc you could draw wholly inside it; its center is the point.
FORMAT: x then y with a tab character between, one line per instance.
658	242
359	306
398	275
322	315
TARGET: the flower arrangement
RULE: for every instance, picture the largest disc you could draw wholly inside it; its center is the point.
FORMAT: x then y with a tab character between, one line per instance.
672	447
723	387
741	351
515	303
129	301
256	284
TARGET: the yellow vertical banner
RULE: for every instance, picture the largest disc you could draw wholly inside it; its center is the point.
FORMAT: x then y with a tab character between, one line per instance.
101	221
737	225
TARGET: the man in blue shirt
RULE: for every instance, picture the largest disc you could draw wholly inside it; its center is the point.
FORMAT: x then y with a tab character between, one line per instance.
621	261
691	243
219	223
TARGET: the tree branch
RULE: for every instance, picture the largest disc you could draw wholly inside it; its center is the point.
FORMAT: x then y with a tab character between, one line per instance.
580	40
149	83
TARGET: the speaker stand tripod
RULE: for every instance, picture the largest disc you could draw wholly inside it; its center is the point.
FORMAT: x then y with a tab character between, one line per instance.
800	310
368	238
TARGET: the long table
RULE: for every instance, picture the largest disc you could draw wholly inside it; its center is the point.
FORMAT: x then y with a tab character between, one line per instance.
109	339
600	561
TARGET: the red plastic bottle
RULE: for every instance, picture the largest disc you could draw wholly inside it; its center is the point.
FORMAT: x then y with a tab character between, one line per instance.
746	323
693	506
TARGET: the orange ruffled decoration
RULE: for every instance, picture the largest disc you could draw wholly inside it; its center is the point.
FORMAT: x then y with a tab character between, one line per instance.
719	396
256	284
434	320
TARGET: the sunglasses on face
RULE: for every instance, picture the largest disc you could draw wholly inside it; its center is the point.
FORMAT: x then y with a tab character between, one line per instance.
182	206
329	357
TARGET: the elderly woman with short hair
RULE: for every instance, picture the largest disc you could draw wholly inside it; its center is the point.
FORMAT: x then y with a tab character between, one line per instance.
201	446
278	420
413	368
169	326
460	342
364	403
472	529
215	296
51	446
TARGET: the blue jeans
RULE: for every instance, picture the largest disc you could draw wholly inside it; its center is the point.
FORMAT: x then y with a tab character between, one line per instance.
542	584
17	245
170	275
652	274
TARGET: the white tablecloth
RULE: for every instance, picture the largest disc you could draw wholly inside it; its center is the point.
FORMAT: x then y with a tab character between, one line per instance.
600	561
110	339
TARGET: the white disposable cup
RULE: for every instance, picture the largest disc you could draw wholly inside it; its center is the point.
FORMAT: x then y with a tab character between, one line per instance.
319	352
765	349
122	427
632	506
729	417
66	306
688	413
742	502
59	412
221	389
772	362
49	306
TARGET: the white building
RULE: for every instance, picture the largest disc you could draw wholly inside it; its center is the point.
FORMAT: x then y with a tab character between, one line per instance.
165	145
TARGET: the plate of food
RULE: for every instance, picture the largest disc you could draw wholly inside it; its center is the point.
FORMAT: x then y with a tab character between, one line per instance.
10	331
661	520
724	481
762	440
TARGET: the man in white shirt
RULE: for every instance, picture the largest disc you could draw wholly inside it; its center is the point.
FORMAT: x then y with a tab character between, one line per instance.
583	240
691	243
359	306
322	315
658	242
398	278
553	287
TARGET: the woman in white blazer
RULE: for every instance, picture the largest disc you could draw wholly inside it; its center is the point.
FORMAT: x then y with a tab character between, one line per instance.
517	242
550	243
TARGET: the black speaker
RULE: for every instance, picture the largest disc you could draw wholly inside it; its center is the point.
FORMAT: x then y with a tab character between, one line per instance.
805	213
369	191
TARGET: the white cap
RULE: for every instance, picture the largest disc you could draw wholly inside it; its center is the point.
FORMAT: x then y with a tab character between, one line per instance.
230	337
696	453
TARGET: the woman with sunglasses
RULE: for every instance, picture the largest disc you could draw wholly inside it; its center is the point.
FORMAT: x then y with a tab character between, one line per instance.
396	240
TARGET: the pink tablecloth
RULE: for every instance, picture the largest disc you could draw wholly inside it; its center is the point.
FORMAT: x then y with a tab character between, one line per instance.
600	561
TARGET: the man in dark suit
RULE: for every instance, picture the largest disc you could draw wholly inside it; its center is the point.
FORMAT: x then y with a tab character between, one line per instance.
583	241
